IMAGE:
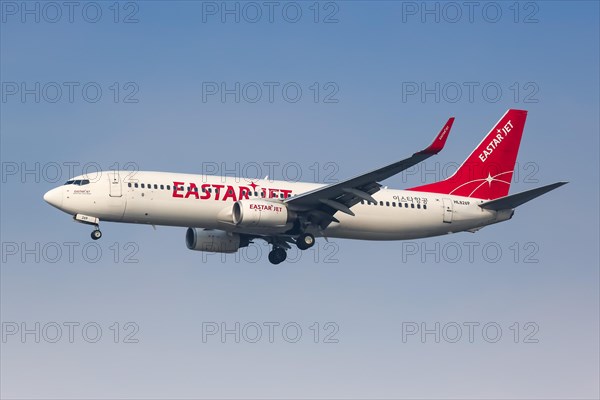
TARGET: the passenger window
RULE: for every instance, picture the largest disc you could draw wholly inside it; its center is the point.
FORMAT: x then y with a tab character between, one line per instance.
393	204
418	206
405	205
168	187
135	184
129	184
412	205
162	187
362	202
381	203
424	206
155	186
387	203
281	196
256	194
142	186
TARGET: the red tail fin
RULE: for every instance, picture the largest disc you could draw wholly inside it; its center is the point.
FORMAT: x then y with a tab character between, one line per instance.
487	172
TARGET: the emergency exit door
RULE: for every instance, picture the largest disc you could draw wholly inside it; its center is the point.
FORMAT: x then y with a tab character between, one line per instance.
447	210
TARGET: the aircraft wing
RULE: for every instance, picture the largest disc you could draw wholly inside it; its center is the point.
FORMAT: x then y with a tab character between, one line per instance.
321	204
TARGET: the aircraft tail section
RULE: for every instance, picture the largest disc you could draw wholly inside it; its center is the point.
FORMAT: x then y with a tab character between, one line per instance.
487	172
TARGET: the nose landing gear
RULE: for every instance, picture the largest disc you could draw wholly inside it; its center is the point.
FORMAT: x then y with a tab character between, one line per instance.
89	220
96	234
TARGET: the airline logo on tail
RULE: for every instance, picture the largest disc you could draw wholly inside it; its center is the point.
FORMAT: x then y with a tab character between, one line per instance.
495	141
487	172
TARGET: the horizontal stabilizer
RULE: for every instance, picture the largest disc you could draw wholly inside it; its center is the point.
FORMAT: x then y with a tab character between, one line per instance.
515	200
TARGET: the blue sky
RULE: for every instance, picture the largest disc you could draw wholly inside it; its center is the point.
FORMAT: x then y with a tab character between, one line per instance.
536	274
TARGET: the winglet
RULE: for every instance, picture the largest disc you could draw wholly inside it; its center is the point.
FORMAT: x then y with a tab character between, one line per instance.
440	140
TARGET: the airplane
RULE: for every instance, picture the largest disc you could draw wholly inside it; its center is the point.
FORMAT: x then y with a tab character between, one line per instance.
224	214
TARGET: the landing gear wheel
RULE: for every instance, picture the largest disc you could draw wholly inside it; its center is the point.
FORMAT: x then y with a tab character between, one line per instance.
96	234
277	255
305	241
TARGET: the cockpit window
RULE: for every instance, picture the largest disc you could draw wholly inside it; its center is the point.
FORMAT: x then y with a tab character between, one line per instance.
78	182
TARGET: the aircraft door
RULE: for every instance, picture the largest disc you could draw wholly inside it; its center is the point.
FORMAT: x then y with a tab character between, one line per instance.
447	210
115	184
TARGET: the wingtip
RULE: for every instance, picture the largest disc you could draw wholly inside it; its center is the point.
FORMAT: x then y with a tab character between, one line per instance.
440	140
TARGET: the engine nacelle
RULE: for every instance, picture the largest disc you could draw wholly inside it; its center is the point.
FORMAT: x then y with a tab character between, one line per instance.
212	240
261	213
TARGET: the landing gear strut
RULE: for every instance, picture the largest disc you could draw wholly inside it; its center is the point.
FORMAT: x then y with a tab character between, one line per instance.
96	234
305	241
277	255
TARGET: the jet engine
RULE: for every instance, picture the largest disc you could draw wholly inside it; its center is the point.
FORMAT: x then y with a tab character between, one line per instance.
213	240
261	214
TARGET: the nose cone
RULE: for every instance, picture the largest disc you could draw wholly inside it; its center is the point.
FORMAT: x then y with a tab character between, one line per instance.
54	197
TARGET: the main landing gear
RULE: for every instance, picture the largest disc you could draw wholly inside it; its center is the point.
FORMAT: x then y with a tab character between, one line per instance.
305	241
279	254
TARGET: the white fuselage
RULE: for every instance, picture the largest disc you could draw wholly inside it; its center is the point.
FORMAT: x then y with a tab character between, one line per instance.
398	214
